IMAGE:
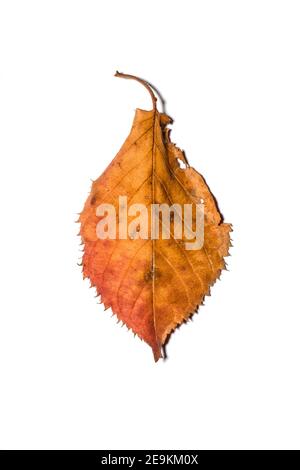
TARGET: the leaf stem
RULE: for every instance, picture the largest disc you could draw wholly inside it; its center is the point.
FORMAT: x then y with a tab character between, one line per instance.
143	82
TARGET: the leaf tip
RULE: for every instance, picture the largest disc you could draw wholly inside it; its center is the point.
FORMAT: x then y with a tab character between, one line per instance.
157	352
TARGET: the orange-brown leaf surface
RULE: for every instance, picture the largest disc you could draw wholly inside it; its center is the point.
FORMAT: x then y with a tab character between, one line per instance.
152	285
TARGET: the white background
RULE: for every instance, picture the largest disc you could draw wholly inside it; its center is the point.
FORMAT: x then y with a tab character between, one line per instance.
229	70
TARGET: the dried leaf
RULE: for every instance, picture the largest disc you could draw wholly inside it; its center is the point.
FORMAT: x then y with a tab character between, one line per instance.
151	285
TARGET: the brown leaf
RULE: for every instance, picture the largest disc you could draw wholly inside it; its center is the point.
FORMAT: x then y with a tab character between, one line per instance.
152	285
